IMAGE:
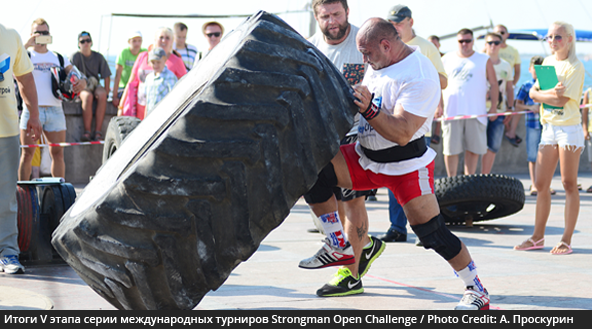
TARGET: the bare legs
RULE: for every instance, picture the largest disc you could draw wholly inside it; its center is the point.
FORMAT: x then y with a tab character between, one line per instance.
58	166
547	159
451	163
87	98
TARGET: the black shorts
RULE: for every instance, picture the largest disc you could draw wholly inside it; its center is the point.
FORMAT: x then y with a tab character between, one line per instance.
344	194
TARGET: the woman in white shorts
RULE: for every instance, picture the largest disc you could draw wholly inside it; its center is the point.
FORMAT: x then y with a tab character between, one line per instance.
562	138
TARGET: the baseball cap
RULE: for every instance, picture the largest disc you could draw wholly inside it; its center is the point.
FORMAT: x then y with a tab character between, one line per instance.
399	13
135	34
84	34
156	54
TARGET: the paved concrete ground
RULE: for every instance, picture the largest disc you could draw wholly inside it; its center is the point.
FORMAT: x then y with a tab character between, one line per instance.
404	277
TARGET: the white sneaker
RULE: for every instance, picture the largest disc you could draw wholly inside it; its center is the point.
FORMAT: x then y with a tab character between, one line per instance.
11	265
329	256
473	300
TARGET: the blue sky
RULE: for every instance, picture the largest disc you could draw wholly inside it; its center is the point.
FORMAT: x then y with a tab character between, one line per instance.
67	18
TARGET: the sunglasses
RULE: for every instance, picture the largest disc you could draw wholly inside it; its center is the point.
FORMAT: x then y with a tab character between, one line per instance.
42	32
556	37
85	41
465	41
215	34
497	43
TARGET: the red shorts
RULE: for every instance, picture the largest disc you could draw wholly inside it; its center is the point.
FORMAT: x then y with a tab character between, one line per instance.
405	187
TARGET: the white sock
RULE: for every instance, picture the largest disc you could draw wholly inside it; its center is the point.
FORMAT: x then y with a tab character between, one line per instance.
368	245
333	229
470	277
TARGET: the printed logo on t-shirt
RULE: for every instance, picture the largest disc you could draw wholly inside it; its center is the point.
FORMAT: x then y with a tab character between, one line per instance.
462	73
366	127
44	67
4	65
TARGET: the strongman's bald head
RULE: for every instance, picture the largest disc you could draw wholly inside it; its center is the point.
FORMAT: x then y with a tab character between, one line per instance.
376	29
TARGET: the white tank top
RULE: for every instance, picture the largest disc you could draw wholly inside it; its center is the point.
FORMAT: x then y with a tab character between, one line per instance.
467	85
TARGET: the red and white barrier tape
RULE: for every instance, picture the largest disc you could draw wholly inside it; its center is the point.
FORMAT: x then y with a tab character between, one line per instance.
62	144
462	117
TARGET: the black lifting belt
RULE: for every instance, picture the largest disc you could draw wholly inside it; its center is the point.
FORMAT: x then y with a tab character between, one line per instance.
412	150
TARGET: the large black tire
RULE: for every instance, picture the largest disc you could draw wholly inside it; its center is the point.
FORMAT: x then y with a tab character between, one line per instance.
478	197
119	128
216	166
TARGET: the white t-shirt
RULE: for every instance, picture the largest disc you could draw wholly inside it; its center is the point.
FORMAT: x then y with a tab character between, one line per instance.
42	64
505	74
467	85
413	83
343	53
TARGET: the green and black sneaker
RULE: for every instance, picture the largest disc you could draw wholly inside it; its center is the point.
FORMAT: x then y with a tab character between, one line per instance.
342	284
370	254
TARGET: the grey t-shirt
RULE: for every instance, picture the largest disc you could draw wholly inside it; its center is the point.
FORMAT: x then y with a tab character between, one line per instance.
93	66
343	53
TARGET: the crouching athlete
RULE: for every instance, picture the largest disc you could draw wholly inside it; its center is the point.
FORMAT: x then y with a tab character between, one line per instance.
397	100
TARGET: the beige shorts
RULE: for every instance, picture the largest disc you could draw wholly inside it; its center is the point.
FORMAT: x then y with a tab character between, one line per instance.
464	135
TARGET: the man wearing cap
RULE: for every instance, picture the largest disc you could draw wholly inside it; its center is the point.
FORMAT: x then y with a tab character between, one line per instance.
160	81
94	66
337	40
188	52
124	64
213	32
400	17
468	74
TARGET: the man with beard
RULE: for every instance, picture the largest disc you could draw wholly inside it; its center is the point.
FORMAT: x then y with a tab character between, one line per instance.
337	40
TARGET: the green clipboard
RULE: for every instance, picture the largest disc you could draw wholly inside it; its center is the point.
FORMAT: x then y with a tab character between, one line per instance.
547	77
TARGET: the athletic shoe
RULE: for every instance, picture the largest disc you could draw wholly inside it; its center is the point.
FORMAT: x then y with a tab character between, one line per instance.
370	254
473	300
393	235
329	256
342	284
11	265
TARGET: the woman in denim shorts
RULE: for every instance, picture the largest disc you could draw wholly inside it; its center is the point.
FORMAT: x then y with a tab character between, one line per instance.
562	139
53	122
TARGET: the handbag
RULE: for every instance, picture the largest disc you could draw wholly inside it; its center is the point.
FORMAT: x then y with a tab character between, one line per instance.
45	167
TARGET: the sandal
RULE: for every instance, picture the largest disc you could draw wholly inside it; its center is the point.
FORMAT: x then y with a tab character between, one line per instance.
86	137
518	139
534	245
512	141
98	136
553	192
565	252
589	190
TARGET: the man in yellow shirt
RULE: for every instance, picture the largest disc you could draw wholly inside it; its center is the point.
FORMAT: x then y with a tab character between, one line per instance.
14	61
400	17
510	55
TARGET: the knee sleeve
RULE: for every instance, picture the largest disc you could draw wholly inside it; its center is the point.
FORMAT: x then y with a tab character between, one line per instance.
435	235
324	186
